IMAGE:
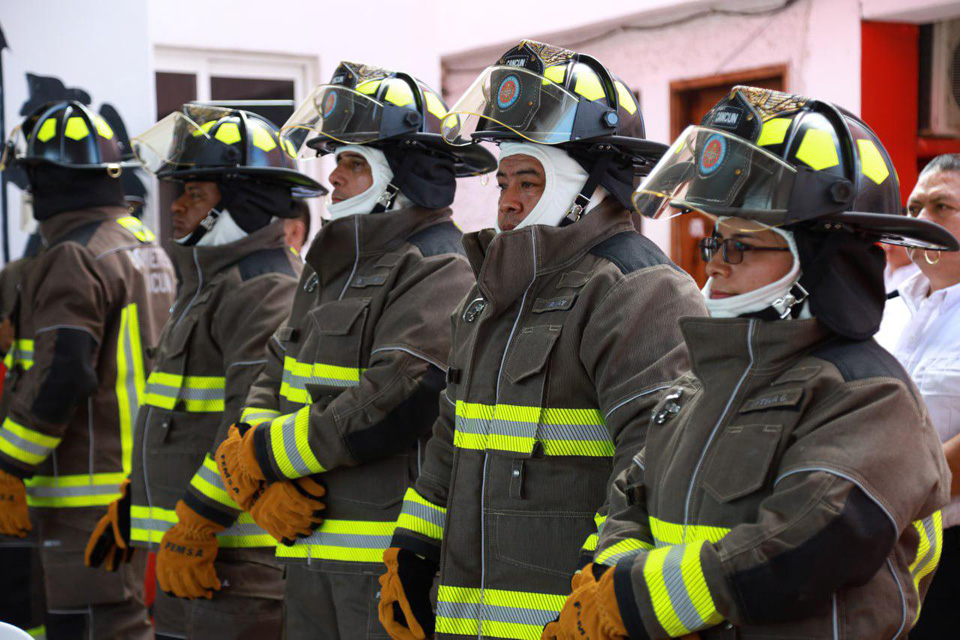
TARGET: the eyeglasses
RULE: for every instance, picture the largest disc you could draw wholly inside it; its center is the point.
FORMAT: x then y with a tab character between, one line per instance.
730	250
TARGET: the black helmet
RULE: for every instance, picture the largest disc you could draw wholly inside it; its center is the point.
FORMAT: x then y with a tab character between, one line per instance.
549	95
368	105
67	134
781	159
212	143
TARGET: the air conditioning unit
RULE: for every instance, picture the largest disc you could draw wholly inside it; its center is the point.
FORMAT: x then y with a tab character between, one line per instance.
945	79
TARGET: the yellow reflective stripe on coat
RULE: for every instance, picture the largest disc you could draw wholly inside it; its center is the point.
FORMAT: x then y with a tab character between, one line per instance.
288	438
504	614
666	533
930	531
421	516
26	445
623	549
297	375
147	525
343	541
594	538
130	379
678	589
516	429
255	416
84	490
21	353
137	228
200	394
207	481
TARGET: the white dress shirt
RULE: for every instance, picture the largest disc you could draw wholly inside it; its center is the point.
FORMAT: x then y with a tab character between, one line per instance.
922	330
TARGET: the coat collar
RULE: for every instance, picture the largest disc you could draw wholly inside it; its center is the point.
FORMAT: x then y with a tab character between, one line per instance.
192	261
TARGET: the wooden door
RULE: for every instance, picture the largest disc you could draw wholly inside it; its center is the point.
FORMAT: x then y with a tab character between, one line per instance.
690	100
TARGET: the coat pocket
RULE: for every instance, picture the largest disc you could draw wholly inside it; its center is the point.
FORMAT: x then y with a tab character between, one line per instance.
339	333
531	352
741	462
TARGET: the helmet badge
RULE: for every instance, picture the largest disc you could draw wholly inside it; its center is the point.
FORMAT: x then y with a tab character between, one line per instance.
509	92
712	156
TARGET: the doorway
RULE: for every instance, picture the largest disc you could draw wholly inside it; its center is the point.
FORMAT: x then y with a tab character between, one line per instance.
690	100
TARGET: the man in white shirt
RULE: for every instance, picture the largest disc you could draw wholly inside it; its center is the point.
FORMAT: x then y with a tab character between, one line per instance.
926	340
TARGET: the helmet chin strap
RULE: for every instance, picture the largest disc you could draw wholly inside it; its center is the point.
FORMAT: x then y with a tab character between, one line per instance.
582	201
389	195
204	226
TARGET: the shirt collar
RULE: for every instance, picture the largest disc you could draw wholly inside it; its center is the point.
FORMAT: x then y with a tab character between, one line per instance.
916	289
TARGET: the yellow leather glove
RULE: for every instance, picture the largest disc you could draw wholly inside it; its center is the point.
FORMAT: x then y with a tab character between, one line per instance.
109	544
290	510
186	555
238	466
14	516
405	610
590	612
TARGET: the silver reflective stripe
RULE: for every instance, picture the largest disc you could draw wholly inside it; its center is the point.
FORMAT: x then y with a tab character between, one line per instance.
211	476
930	528
349	540
185	392
250	416
288	430
150	524
26	445
243	529
73	492
495	613
677	590
423	512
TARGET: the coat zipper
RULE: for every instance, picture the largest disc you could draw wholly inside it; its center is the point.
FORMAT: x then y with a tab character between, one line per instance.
483	482
356	257
723	415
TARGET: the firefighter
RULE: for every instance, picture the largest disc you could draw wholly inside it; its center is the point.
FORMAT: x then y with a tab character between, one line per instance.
91	303
791	485
351	388
565	341
215	568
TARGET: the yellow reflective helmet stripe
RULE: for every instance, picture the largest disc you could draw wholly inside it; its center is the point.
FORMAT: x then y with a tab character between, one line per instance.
398	93
817	150
47	130
556	73
130	384
26	445
435	105
76	128
421	516
678	589
204	129
289	440
588	83
228	133
369	87
72	491
343	541
103	128
263	139
774	131
626	98
872	163
148	524
502	613
517	429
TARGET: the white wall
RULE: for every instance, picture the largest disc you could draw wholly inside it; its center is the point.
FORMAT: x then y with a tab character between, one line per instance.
98	47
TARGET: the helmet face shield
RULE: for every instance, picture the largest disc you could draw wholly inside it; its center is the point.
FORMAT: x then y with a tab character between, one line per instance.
335	113
14	148
513	99
717	174
183	139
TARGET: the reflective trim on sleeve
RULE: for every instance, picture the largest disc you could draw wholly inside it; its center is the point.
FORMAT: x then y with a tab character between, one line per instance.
594	538
207	482
504	614
343	541
254	416
201	394
26	445
147	526
421	516
678	589
517	429
288	437
666	534
21	353
623	549
130	379
297	375
930	531
137	228
97	490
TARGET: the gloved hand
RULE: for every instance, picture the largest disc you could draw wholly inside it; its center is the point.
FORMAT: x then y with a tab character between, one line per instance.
238	466
186	555
14	517
290	510
590	612
110	540
405	610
